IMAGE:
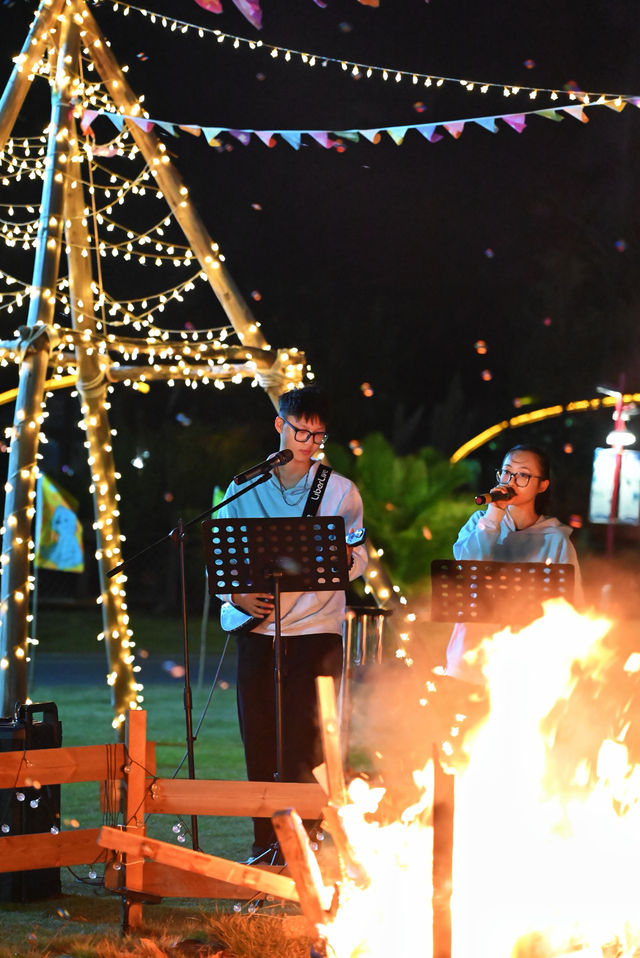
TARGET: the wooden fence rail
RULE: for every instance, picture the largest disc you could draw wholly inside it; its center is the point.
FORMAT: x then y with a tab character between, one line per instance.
126	773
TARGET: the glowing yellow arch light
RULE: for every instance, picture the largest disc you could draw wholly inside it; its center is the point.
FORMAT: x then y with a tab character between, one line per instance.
61	383
536	415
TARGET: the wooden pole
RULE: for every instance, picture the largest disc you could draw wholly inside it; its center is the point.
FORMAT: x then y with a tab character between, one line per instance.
177	196
139	846
336	787
315	897
169	181
43	27
22	470
330	733
135	794
92	384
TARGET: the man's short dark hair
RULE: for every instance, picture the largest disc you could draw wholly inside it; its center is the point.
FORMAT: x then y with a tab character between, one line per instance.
310	402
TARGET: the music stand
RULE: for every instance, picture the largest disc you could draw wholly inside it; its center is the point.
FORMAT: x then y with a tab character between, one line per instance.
509	593
304	554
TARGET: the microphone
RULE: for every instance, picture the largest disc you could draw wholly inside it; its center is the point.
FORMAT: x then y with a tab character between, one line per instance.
504	492
275	459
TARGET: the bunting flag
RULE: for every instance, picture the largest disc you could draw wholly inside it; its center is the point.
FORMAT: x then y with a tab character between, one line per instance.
145	125
332	138
576	111
516	121
551	115
397	133
248	8
87	119
428	131
251	8
58	529
455	128
488	123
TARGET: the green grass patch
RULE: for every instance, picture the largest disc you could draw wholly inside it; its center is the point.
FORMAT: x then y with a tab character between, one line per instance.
85	920
86	715
75	629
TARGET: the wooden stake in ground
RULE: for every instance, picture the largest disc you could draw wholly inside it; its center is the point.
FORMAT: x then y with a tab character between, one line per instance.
208	866
335	782
315	898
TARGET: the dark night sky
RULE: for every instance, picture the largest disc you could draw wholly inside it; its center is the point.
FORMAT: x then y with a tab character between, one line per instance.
374	260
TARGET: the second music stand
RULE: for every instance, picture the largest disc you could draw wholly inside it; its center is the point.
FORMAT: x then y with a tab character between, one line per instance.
276	555
482	590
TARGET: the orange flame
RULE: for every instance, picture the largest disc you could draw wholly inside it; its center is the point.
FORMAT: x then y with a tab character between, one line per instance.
547	826
547	814
392	915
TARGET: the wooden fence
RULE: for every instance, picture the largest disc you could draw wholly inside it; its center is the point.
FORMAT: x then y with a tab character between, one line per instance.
126	775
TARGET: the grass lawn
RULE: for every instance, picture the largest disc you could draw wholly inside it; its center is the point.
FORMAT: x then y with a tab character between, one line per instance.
86	919
74	629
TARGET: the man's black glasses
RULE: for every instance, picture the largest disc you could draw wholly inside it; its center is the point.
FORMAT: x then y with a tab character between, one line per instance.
303	435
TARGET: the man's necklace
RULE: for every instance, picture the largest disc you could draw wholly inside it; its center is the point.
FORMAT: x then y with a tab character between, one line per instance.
297	497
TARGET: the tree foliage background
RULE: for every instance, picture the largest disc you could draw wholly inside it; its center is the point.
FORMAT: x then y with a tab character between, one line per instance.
413	504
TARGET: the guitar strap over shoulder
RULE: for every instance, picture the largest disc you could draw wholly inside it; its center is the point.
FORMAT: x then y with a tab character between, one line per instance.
318	486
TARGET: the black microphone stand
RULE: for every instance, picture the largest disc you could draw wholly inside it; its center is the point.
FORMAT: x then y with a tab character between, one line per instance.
177	536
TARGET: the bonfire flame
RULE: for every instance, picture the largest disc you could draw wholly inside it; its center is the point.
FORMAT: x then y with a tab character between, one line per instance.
547	815
390	914
546	852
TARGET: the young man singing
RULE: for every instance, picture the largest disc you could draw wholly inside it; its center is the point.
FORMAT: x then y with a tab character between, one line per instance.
311	622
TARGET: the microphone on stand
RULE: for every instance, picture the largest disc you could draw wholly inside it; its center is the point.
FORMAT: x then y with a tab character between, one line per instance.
504	492
275	459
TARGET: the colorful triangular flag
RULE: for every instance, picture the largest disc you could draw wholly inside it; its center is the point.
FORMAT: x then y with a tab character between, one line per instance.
266	136
320	137
292	137
550	115
397	133
577	112
373	136
517	121
455	128
488	122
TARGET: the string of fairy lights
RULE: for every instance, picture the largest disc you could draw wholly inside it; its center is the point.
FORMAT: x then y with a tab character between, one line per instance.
356	69
196	357
174	349
147	246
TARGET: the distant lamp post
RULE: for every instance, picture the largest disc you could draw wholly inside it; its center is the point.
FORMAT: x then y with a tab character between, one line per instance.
619	437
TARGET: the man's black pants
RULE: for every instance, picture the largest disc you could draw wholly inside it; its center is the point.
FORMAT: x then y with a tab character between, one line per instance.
304	657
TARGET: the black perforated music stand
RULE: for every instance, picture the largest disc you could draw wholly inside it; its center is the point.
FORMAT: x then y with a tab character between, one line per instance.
276	555
508	593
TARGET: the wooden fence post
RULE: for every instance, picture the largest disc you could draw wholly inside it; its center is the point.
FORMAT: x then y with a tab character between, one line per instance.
136	786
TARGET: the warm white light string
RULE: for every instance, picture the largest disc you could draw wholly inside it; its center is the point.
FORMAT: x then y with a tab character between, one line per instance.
353	67
158	299
144	322
118	182
161	250
147	237
23	224
146	319
207	357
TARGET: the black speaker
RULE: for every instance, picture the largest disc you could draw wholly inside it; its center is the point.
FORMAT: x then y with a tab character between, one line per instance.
27	811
